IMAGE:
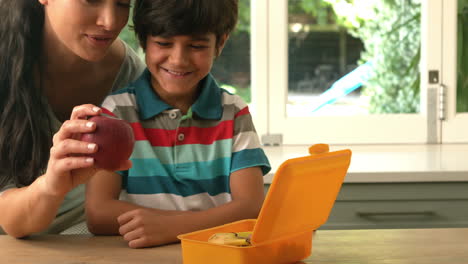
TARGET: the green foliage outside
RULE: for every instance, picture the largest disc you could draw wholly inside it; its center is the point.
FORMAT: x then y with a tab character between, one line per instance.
128	35
462	44
390	31
316	8
243	22
235	59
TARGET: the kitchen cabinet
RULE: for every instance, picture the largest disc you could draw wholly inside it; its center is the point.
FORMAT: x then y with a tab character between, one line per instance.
396	186
399	205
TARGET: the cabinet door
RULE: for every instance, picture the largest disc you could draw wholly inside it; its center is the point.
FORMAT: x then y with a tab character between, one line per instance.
400	205
397	214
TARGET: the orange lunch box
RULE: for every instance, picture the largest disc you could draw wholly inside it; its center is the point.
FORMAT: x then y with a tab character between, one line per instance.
298	202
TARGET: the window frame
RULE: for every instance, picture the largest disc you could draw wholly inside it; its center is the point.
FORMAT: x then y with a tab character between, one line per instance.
270	81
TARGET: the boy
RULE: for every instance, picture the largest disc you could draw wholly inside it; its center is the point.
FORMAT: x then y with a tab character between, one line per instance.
197	161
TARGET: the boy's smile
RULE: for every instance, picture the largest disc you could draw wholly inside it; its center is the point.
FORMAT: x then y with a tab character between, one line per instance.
177	64
175	73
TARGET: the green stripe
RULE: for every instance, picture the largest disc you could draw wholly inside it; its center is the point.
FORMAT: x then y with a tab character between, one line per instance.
185	153
202	153
181	171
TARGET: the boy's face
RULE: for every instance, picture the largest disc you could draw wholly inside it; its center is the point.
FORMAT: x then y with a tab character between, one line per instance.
177	64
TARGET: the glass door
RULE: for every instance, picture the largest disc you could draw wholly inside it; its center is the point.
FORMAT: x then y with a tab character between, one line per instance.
455	71
342	72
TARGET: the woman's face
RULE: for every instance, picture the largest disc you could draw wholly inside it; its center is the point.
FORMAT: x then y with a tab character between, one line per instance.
85	27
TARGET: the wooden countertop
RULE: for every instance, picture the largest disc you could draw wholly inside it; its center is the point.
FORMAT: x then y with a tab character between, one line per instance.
396	246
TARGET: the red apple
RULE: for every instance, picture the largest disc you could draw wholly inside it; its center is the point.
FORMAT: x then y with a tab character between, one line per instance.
115	140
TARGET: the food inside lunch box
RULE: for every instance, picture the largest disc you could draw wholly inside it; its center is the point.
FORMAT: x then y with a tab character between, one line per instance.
240	239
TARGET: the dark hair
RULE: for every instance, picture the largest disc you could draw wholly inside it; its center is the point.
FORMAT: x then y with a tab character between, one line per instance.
25	130
169	18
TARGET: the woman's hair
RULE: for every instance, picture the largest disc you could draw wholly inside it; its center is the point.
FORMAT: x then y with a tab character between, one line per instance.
25	129
169	18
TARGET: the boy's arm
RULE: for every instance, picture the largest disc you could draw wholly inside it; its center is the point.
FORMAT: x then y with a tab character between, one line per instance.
143	228
103	205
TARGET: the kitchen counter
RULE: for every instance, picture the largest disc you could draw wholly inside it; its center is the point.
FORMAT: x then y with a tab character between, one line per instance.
397	246
390	163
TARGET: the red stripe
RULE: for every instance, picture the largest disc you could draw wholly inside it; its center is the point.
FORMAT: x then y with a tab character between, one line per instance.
105	111
157	137
243	111
192	135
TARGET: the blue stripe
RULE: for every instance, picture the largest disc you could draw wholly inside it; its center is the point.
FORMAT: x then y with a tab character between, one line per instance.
250	158
156	184
191	170
148	167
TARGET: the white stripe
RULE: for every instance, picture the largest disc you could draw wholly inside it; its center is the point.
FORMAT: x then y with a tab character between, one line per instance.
166	201
109	104
123	99
245	140
233	99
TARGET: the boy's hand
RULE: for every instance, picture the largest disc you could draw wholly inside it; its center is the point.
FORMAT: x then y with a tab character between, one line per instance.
146	228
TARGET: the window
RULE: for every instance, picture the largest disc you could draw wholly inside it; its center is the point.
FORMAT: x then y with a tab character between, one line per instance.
344	72
402	42
366	114
232	68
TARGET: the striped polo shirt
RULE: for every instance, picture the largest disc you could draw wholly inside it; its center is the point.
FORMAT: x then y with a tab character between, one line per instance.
183	162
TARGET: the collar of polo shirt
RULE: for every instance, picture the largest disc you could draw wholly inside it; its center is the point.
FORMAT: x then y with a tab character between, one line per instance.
207	106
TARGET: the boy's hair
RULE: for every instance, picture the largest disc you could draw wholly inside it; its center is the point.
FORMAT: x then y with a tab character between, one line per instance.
168	18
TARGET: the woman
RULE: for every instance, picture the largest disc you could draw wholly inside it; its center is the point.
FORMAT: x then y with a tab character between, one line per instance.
54	55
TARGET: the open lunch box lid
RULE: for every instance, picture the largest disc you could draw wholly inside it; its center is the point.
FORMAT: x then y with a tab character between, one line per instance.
302	194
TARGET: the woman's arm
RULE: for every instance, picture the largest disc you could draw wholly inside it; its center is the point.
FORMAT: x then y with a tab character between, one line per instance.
31	209
28	210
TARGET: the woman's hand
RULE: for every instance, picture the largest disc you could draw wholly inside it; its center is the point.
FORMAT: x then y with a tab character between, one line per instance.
69	164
